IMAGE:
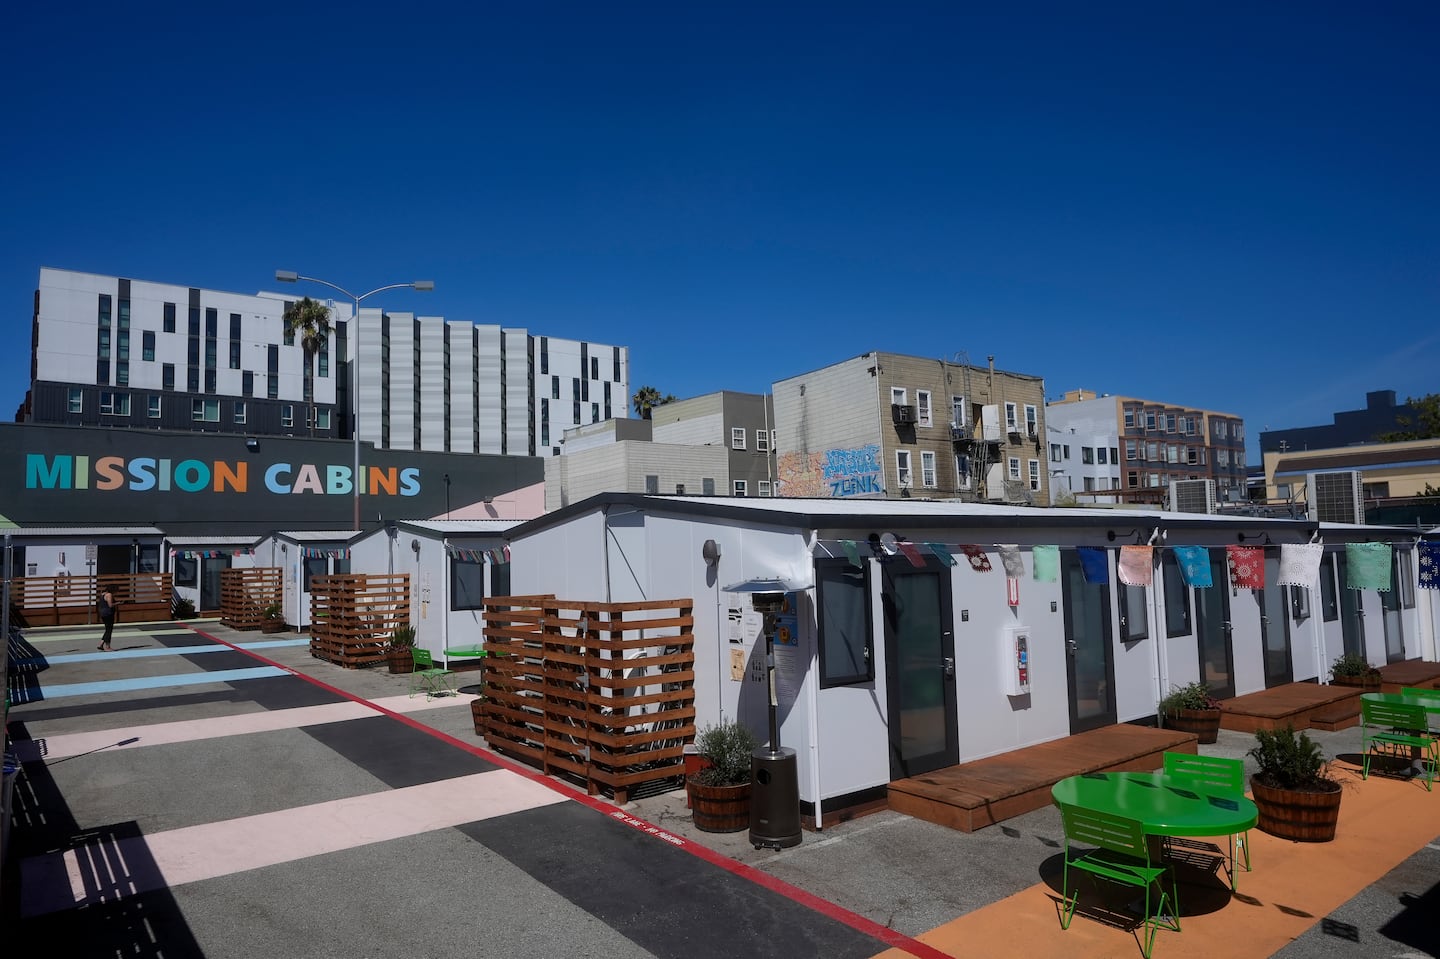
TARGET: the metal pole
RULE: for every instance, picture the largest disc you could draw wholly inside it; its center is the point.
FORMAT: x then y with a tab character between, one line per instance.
355	409
770	675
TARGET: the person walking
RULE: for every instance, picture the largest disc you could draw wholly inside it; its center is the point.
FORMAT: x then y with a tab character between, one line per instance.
107	616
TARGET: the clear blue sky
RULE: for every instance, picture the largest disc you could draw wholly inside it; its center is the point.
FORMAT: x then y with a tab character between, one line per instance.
1216	205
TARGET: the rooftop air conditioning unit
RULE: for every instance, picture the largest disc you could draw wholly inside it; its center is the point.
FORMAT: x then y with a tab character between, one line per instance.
1337	497
1192	496
902	413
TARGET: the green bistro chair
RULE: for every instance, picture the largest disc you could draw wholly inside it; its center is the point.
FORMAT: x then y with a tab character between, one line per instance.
427	677
1121	855
1390	728
1419	693
1213	776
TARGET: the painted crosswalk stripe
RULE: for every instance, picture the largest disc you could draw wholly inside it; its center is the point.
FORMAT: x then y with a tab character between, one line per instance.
101	872
63	690
149	652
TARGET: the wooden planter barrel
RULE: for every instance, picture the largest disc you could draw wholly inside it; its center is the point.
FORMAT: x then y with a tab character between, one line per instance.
272	625
400	660
1370	684
1292	814
1204	723
719	808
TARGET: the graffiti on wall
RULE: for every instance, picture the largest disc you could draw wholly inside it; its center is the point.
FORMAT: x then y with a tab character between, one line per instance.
833	473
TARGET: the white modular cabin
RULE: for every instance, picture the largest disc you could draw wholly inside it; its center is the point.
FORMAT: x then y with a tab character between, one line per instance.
195	563
453	566
302	555
905	654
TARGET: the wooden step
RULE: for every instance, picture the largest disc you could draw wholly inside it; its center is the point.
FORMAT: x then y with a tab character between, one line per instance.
1339	717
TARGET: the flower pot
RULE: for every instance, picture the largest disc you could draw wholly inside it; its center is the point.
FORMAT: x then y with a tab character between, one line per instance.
719	808
1296	814
1204	723
400	659
1369	684
272	625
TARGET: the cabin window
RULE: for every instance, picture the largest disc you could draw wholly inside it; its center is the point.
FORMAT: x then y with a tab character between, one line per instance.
1177	596
847	654
467	584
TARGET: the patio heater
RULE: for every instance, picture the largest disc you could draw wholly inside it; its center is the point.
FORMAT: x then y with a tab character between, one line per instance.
774	779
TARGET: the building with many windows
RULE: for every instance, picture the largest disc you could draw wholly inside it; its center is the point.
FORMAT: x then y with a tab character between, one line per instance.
1124	449
111	351
889	425
718	444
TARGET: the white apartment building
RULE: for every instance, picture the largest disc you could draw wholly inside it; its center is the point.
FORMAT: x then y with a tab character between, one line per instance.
110	351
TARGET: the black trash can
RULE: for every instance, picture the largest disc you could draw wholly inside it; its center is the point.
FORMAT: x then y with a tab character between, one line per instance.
774	798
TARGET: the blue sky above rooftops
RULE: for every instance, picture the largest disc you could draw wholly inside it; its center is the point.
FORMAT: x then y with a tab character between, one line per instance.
1223	206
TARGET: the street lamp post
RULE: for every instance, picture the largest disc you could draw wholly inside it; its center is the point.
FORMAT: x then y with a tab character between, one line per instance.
289	276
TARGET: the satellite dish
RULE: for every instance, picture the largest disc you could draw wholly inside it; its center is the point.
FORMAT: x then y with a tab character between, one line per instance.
889	541
711	552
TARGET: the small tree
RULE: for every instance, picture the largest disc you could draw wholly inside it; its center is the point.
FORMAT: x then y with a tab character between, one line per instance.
309	322
1423	426
646	398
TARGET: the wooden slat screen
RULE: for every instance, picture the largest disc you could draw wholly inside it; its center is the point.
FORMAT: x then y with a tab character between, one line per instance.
353	615
245	593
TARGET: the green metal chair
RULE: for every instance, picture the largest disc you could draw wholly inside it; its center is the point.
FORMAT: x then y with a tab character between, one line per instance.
1419	693
1215	776
1392	727
1121	855
427	677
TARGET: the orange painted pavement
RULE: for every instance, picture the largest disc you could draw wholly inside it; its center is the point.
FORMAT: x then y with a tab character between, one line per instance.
1291	888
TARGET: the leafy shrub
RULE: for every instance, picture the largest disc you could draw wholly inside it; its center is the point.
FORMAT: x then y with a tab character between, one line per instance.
402	636
1291	761
1194	695
727	746
1352	665
183	608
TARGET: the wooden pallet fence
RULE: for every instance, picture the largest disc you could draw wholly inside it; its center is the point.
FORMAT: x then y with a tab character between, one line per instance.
245	593
352	616
71	600
599	693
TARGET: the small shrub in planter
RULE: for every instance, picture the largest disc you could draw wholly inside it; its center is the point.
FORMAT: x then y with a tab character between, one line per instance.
397	652
272	619
1192	709
1352	669
1293	789
183	608
720	792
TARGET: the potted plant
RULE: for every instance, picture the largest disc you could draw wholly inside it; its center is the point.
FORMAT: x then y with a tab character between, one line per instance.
1293	789
719	793
183	608
272	619
1352	669
397	651
1191	709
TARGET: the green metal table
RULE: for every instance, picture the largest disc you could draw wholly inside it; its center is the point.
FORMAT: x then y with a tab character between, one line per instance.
466	651
1430	703
1164	808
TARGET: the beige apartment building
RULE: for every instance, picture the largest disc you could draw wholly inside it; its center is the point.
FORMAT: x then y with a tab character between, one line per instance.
894	426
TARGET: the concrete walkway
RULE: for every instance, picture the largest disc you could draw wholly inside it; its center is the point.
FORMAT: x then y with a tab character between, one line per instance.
206	793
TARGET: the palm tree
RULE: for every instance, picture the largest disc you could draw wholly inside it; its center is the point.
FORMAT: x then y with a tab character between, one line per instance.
309	322
646	398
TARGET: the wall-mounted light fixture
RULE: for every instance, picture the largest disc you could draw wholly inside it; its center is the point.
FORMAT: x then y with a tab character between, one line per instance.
252	444
710	552
415	547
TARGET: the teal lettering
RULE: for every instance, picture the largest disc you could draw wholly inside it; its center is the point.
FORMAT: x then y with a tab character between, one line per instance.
192	475
337	479
40	475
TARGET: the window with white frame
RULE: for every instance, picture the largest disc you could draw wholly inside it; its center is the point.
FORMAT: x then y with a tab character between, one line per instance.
322	419
762	441
1130	449
902	468
1054	452
1087	455
737	437
152	407
1150	419
1129	419
897	396
957	411
113	403
76	400
741	487
1032	420
287	415
240	411
205	411
1012	417
762	487
1015	468
922	407
1100	454
1035	475
927	469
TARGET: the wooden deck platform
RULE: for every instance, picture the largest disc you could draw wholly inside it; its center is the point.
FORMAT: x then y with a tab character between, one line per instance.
1294	704
1410	672
986	791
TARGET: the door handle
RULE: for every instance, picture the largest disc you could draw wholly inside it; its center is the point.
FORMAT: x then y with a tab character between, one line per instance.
948	664
1072	647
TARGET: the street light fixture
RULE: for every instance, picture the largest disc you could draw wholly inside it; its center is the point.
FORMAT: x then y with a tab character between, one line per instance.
423	286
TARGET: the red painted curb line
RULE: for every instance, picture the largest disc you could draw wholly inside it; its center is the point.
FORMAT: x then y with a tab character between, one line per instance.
826	908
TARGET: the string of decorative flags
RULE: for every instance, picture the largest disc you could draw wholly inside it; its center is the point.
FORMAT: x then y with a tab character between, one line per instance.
209	553
311	552
493	557
1368	565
